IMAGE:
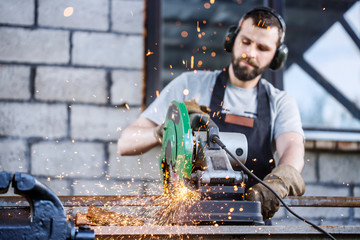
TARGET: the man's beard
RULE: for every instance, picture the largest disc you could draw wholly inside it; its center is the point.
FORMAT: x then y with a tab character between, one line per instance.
243	73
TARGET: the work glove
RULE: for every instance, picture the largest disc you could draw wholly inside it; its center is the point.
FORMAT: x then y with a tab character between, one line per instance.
285	180
193	107
159	132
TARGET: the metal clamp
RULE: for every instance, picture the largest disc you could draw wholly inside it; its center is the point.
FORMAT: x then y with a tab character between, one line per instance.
47	215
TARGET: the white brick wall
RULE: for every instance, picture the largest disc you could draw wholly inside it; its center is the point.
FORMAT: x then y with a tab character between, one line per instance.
64	67
71	85
87	14
34	46
14	82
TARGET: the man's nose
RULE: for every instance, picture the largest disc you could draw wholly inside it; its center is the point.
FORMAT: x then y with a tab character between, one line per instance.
251	50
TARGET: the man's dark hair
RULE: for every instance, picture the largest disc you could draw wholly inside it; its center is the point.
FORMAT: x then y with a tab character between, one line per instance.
266	19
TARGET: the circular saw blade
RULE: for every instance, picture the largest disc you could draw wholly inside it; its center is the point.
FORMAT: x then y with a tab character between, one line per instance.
177	148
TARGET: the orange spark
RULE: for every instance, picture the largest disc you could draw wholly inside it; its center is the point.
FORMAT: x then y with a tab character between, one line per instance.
68	11
184	34
207	5
149	52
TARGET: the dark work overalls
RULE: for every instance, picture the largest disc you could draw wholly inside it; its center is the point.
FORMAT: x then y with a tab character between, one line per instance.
260	158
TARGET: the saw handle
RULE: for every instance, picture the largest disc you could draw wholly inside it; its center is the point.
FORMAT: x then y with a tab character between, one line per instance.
198	120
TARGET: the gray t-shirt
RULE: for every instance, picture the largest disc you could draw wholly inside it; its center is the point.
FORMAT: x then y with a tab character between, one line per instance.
199	85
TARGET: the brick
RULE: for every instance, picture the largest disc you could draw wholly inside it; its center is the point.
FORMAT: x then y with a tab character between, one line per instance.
333	167
57	186
357	210
34	46
357	213
67	159
70	84
318	190
33	120
150	163
107	187
100	123
17	12
144	166
128	16
327	145
14	82
309	144
348	146
309	171
13	156
324	213
127	87
87	14
357	191
104	49
124	167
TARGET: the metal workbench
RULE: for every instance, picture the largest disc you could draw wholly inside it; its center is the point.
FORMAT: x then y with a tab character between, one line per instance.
17	204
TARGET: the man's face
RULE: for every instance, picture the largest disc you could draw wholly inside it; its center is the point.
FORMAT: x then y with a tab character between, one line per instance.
253	50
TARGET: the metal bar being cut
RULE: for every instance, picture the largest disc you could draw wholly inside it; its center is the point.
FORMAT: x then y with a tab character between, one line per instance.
158	200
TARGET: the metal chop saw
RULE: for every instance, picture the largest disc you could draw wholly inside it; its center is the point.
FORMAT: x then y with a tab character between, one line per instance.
191	159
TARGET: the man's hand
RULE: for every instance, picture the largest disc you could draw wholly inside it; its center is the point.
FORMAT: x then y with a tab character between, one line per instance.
159	133
285	180
193	107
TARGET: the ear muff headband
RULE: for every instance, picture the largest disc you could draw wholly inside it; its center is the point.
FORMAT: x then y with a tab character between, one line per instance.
282	50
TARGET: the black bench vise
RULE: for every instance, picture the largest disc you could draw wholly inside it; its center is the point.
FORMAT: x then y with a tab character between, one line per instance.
47	215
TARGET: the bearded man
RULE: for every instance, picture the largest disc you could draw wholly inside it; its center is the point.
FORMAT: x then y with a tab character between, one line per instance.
242	101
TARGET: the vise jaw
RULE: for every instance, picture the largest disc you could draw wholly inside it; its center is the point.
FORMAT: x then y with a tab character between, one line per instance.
47	215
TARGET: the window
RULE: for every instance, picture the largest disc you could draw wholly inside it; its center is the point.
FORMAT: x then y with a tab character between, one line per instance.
322	71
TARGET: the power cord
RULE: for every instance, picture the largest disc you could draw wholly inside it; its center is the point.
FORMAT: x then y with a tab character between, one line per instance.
215	139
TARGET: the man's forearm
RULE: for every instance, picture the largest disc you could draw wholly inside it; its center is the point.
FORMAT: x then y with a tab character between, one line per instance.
290	147
293	156
135	141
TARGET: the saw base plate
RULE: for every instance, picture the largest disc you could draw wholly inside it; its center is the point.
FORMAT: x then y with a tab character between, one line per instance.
221	213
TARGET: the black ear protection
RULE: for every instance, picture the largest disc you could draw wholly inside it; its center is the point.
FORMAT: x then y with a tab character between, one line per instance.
281	52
